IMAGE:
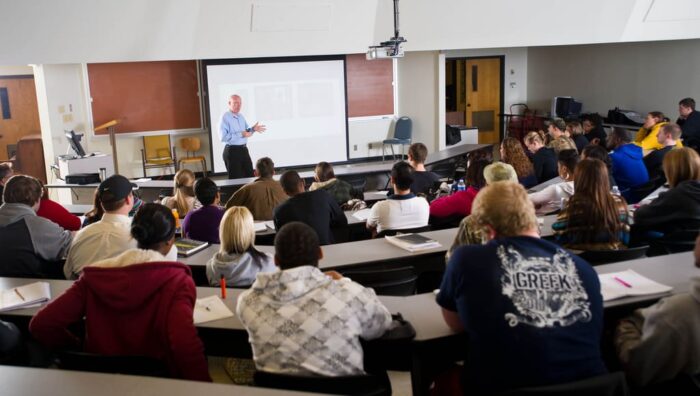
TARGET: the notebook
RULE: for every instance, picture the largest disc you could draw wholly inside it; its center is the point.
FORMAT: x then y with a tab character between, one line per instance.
259	226
362	214
187	247
210	308
413	242
270	224
27	296
628	283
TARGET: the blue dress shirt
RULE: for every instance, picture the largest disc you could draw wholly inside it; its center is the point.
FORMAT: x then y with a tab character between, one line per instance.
231	129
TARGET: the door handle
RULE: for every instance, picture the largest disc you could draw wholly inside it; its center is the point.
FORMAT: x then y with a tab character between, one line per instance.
469	105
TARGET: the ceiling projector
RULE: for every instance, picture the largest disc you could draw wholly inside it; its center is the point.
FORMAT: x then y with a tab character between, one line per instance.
392	47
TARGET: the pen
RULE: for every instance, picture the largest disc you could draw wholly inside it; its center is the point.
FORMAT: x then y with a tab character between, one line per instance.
20	295
223	287
623	283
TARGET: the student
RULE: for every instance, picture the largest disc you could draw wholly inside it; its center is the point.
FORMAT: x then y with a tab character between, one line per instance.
314	208
401	210
459	204
423	180
202	224
325	179
661	342
557	130
469	233
550	198
5	174
512	153
32	245
593	218
108	237
646	137
95	214
262	195
183	195
679	207
544	160
593	130
627	162
331	314
55	212
139	303
598	152
238	261
575	132
521	333
667	138
689	121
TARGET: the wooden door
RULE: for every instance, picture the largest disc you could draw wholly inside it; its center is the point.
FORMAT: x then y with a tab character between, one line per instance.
19	113
483	94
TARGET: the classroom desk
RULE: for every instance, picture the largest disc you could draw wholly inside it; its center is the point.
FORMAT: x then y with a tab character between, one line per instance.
78	209
544	185
22	381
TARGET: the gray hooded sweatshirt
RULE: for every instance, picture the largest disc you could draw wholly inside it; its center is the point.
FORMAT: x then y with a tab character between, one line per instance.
238	269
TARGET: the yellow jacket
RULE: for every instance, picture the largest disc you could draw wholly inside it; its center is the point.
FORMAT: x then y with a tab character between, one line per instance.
647	139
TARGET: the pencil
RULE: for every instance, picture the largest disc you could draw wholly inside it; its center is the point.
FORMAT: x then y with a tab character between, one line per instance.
20	294
223	287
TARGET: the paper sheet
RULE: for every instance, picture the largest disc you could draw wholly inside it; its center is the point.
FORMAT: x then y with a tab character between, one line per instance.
614	285
26	296
362	214
210	308
270	224
259	226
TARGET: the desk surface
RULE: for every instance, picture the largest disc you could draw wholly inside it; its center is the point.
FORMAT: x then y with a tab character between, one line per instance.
543	185
18	381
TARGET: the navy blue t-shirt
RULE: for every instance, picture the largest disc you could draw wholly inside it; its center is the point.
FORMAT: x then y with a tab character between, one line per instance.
533	313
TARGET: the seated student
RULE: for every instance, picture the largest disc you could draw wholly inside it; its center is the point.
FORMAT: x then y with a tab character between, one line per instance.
108	237
689	121
5	174
183	195
679	207
646	137
469	233
332	312
401	210
593	218
550	198
598	152
95	214
314	208
262	195
593	129
512	153
533	312
203	224
139	303
460	202
661	342
32	245
325	179
423	180
55	212
557	130
238	261
544	160
575	131
627	162
667	137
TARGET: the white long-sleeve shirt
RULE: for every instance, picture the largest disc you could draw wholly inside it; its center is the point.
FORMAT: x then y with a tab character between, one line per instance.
549	199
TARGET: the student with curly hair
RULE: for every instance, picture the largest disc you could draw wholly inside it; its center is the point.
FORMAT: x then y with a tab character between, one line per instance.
512	153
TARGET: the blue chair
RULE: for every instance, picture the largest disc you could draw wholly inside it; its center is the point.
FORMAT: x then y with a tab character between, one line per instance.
402	135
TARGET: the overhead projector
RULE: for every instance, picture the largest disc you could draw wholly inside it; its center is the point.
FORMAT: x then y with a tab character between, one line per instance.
392	47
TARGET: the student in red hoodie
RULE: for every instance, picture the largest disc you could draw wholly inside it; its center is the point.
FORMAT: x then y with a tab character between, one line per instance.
459	204
55	212
138	303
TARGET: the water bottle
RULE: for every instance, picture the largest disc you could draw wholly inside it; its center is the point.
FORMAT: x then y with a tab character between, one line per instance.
461	186
615	191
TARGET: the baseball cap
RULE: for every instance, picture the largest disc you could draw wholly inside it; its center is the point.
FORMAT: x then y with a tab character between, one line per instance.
114	188
499	171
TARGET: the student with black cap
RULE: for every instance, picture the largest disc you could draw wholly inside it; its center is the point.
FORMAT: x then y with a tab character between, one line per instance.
109	236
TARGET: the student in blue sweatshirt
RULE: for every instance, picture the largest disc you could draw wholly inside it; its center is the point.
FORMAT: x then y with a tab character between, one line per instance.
628	166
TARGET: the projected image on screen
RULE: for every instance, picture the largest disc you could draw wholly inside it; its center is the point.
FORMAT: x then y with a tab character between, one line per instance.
302	104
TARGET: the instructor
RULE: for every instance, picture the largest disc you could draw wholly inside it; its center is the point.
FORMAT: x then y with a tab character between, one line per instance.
234	132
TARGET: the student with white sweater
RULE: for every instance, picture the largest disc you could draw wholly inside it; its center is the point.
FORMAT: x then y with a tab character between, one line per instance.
550	198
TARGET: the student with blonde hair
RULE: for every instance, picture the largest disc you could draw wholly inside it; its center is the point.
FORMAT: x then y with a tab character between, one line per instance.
183	193
238	261
532	311
544	160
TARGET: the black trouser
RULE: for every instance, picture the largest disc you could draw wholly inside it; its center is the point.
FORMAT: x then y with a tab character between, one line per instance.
238	163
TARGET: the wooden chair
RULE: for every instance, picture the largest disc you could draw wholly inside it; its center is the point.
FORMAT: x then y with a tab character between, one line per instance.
157	152
190	145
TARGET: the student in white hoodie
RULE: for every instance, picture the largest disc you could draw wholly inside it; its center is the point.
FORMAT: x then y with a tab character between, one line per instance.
662	341
302	321
550	198
238	261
